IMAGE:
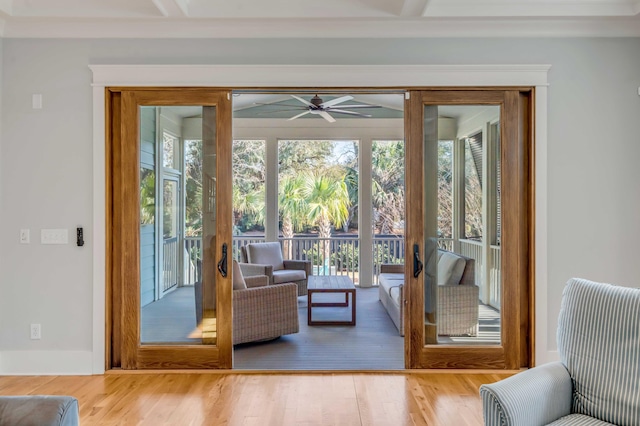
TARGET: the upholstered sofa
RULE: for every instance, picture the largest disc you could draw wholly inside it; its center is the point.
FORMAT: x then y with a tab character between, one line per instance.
266	259
457	308
39	410
597	380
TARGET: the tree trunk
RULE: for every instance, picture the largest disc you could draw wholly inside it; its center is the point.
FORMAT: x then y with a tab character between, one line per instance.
287	233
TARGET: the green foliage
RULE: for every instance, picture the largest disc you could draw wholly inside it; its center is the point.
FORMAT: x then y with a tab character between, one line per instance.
295	157
388	185
248	184
327	201
147	196
193	183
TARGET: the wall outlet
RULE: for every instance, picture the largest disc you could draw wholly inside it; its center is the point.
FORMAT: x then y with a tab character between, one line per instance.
54	236
35	332
24	236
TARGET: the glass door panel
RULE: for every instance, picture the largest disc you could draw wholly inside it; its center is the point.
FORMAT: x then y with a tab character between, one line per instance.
176	303
460	236
180	313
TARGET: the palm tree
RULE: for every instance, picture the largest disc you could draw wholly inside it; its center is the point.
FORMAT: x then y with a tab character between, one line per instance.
328	203
293	209
251	203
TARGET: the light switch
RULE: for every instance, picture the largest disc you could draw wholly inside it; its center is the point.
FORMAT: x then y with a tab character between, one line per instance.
24	236
54	236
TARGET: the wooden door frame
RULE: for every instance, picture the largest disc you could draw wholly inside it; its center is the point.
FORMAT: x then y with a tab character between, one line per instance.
123	248
319	76
518	242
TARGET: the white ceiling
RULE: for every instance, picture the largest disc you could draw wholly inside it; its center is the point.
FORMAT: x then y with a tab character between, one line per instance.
318	18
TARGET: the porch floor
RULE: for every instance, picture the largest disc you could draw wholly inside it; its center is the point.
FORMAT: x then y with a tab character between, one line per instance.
373	344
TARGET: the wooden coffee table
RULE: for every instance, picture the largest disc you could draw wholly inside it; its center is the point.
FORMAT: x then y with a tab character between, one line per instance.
331	284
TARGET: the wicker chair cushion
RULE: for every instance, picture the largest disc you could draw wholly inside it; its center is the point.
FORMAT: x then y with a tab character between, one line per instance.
266	254
450	269
237	277
288	276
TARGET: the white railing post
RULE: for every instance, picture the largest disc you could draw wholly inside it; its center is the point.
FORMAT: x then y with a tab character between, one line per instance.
365	219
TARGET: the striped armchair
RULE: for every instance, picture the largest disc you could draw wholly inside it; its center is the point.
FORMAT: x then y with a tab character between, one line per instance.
597	381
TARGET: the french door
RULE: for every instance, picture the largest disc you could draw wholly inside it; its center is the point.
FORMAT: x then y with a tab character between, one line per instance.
136	196
468	152
482	320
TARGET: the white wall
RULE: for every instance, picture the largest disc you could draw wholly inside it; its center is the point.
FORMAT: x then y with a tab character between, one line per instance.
46	163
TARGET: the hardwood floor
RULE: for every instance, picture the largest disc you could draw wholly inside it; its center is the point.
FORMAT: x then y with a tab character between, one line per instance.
217	398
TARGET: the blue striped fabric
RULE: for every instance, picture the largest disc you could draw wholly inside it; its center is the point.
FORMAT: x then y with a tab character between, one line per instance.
579	420
599	343
532	398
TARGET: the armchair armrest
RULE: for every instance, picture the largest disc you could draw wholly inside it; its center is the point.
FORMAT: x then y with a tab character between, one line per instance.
252	269
391	268
304	265
534	397
256	281
262	313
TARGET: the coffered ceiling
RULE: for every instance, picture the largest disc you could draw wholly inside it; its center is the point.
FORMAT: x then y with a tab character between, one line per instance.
318	18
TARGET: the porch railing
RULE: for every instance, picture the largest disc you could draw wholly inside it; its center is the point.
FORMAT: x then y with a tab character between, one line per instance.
340	256
169	263
192	258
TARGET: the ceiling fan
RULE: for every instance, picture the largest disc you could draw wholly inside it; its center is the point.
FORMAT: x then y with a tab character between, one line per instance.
319	107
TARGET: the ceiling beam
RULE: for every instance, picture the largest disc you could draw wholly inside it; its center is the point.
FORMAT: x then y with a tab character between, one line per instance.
172	8
415	8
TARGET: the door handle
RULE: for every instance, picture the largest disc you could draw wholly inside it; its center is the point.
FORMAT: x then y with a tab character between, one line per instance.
417	264
222	264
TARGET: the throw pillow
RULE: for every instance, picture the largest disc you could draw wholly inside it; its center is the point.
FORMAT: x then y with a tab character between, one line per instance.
450	268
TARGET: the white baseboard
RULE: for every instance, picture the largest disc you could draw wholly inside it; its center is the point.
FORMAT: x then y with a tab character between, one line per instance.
46	363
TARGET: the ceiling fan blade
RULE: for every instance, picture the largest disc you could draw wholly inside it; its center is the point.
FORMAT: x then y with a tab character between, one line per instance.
342	111
336	101
299	115
303	101
360	106
327	117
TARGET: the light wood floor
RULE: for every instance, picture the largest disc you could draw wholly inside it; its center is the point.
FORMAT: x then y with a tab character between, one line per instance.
194	398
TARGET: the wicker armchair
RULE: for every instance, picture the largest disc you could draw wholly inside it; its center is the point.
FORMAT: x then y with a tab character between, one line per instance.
264	312
266	259
260	311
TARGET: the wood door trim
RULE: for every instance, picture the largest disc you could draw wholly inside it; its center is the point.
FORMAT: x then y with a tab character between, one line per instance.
123	157
517	243
414	301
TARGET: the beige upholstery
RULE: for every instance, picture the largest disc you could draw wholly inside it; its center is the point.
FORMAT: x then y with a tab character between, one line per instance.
266	259
458	299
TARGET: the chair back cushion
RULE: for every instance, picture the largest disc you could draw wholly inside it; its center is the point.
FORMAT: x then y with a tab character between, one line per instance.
599	343
450	268
237	277
266	254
